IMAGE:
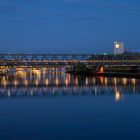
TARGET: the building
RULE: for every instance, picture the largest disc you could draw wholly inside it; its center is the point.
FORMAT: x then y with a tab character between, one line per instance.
118	48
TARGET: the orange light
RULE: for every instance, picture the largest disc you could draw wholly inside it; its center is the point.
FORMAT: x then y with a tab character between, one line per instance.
47	82
101	79
101	69
66	82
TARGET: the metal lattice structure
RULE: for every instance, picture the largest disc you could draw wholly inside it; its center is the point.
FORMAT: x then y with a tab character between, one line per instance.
68	59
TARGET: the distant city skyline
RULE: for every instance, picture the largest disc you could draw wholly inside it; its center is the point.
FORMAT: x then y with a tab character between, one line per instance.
68	26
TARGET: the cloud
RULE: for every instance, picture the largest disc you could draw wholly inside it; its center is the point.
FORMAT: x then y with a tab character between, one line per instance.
8	8
122	6
77	10
26	21
87	18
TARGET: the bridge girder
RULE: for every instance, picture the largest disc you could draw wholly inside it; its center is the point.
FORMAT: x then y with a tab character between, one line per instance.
68	59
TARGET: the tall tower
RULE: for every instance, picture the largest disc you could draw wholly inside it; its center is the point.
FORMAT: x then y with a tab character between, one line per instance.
118	48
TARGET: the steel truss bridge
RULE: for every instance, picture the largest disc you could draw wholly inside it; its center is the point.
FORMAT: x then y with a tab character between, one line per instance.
68	59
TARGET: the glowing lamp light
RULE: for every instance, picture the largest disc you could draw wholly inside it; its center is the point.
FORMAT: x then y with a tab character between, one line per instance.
102	69
47	82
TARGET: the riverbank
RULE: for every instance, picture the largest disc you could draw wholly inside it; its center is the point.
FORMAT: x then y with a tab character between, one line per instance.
106	71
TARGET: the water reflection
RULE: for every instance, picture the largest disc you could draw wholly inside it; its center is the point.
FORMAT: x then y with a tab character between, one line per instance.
54	82
118	95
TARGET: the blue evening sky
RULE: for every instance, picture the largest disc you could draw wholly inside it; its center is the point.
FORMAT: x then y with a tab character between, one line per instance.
68	26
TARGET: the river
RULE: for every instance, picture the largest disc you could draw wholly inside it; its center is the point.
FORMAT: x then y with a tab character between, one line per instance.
50	105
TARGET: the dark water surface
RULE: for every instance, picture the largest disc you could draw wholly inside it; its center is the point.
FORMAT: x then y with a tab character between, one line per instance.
54	105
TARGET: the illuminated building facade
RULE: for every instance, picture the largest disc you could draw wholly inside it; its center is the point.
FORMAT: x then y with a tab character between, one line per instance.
118	48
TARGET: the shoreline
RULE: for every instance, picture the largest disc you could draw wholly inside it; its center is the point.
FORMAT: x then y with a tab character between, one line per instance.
104	74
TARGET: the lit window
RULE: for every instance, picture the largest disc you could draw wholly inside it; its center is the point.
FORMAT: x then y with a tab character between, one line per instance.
117	46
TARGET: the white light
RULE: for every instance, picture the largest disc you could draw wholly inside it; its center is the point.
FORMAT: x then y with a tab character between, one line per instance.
117	96
117	46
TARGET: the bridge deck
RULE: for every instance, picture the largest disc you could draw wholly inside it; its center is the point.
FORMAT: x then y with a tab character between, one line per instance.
68	59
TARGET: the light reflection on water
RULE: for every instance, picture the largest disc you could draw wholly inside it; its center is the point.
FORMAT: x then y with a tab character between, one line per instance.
57	83
49	104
